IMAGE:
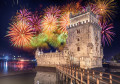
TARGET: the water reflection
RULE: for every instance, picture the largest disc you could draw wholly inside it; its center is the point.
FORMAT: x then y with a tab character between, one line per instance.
5	67
38	77
45	78
14	66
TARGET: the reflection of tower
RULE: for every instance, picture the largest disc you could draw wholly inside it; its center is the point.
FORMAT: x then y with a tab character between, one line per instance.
45	78
84	39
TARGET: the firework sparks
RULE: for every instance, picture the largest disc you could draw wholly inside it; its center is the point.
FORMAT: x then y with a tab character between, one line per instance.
49	23
53	10
35	22
23	15
39	40
54	41
71	8
106	33
30	31
105	8
62	37
64	22
20	34
66	10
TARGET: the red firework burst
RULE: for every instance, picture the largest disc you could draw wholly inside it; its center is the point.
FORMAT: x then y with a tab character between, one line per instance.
20	34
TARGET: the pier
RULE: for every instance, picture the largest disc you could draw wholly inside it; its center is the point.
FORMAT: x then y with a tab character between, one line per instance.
75	75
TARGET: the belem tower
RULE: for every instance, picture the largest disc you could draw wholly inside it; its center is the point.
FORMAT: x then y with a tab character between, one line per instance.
83	45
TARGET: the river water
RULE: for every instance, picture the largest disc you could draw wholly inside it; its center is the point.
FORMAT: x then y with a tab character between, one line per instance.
24	73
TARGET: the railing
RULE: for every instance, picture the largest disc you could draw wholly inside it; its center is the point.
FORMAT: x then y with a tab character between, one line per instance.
86	76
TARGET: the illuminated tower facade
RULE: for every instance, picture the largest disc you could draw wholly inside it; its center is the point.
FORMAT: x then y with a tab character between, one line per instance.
84	40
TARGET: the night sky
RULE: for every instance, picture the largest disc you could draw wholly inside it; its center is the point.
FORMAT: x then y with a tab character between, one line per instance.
8	8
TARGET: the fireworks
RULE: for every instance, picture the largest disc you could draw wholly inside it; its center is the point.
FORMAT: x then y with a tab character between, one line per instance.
34	42
106	33
71	8
23	15
105	8
35	22
66	10
20	34
49	23
31	30
54	41
52	10
64	22
62	37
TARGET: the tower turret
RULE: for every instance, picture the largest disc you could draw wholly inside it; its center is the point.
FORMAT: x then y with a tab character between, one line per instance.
37	52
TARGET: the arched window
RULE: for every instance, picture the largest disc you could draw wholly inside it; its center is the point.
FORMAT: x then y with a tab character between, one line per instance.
78	39
78	31
78	48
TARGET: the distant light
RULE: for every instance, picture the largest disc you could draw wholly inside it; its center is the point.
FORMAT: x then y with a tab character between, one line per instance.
14	56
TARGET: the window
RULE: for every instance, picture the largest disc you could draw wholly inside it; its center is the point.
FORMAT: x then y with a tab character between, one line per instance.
78	48
78	39
78	31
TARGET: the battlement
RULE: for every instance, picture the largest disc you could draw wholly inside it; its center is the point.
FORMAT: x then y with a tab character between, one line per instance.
83	17
52	54
82	23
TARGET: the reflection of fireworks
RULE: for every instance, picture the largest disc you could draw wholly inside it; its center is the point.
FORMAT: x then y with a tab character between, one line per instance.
52	11
106	33
49	23
20	34
23	14
105	8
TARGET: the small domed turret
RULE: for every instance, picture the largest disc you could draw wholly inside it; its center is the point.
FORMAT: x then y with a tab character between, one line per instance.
37	53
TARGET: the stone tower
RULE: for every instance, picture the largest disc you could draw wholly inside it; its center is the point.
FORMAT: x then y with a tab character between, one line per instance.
84	39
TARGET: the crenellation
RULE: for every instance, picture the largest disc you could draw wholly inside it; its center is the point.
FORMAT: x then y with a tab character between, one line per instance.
82	23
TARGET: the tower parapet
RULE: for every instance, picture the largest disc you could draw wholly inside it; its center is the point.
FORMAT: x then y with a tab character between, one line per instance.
83	17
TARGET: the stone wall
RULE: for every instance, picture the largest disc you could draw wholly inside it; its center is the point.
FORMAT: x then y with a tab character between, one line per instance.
51	59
